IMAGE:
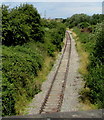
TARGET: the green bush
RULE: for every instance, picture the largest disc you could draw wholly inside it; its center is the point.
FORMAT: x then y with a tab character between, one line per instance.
96	84
96	18
95	79
58	35
77	19
20	67
83	18
93	43
83	25
54	37
20	25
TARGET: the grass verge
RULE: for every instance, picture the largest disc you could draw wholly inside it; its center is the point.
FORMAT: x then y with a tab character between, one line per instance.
83	69
84	56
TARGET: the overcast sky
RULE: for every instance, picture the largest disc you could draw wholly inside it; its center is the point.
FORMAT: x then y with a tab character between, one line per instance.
61	9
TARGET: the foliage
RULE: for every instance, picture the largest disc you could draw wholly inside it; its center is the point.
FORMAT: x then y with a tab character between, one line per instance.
83	25
27	41
19	70
79	19
99	47
54	36
0	24
76	19
57	36
20	25
95	79
93	43
96	18
49	24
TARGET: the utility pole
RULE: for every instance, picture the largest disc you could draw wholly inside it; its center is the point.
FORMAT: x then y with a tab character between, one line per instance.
45	14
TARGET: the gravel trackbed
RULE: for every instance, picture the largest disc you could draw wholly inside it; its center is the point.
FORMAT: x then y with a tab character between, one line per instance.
73	85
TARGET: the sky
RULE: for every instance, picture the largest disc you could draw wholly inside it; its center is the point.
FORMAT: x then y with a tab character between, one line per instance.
51	0
61	9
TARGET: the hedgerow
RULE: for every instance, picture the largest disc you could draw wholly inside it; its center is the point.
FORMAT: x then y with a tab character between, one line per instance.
20	67
95	79
93	44
27	42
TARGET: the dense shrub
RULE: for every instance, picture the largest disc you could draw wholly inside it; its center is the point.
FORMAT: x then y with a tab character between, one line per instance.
20	25
54	37
93	43
96	18
19	71
58	35
83	25
99	48
50	23
95	79
78	19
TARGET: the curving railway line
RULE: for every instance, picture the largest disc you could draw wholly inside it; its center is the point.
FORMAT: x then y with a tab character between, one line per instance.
54	98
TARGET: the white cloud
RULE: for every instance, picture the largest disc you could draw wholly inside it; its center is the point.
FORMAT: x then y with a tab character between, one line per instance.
68	9
64	10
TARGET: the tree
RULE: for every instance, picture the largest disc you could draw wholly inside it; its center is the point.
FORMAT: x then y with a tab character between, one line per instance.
20	25
76	19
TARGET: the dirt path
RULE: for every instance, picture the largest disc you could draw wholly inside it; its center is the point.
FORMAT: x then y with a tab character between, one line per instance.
74	83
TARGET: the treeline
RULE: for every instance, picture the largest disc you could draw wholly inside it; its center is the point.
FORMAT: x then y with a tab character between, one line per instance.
27	40
83	20
92	41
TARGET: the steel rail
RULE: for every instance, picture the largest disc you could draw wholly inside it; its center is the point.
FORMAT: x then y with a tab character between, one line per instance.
54	78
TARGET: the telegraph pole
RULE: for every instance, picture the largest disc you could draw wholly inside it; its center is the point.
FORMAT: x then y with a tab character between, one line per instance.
45	14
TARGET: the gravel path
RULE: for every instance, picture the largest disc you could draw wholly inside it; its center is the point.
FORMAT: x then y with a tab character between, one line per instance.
70	102
73	84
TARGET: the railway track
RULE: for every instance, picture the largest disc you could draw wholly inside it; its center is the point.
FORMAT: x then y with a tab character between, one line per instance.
55	94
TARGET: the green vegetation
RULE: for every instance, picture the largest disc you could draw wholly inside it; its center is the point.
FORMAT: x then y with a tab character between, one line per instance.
30	45
90	45
54	34
78	19
21	25
19	71
95	79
